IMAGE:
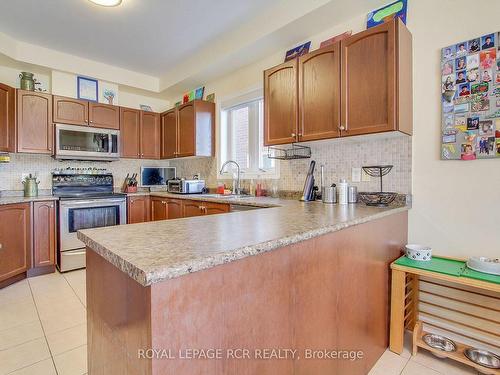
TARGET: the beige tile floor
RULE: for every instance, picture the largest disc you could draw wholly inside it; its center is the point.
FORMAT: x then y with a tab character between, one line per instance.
43	332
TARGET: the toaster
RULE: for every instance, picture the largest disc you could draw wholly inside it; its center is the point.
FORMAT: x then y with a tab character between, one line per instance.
184	186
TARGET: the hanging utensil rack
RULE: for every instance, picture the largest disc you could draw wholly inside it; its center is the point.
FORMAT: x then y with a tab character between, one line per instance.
294	152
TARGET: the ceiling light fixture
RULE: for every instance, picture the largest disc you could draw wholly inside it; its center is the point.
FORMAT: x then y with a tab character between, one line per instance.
107	3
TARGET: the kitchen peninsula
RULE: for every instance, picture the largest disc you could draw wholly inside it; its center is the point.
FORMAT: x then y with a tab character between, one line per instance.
290	276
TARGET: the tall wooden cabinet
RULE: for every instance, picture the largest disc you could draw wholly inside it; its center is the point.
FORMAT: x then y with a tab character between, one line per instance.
319	94
188	130
281	104
35	129
140	134
44	235
15	240
150	135
361	85
7	118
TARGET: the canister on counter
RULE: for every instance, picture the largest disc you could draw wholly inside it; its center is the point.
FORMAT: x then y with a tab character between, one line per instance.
352	194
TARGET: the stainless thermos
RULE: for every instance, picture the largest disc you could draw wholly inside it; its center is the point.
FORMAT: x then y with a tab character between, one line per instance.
352	194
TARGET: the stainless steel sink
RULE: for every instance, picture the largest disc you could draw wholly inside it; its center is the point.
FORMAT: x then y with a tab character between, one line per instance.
225	196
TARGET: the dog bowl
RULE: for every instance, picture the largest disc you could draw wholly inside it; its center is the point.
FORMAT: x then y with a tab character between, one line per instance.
486	265
418	252
483	358
439	342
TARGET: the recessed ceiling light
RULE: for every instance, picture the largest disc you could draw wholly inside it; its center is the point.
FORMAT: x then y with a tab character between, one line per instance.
107	3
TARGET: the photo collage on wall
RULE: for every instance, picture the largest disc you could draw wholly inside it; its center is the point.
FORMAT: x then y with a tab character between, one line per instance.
470	88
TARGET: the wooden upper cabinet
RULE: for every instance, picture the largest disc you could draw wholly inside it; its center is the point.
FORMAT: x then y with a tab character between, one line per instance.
319	94
15	239
7	118
174	208
44	234
376	80
35	130
159	209
70	111
130	123
169	134
138	209
280	104
150	135
104	116
187	132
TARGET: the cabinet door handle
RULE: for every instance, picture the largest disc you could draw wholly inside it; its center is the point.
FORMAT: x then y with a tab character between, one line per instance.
342	127
293	135
1	246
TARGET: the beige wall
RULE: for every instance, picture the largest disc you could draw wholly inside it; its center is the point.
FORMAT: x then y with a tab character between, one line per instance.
456	204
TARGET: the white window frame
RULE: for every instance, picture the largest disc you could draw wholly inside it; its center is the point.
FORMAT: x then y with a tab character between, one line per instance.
231	104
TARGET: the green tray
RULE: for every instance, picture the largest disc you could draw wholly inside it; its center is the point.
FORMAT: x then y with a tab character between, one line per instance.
447	266
436	264
472	274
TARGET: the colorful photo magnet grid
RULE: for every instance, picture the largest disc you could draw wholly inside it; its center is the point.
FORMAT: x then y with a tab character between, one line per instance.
470	98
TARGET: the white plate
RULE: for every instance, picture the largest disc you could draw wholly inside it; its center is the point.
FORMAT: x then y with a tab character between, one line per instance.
481	264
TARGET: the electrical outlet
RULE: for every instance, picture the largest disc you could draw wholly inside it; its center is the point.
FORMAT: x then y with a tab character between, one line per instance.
364	176
355	174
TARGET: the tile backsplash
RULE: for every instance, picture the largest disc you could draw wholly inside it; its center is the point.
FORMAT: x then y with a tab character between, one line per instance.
42	166
338	157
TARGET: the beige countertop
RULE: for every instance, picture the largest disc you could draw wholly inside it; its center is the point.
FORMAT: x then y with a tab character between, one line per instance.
12	199
155	251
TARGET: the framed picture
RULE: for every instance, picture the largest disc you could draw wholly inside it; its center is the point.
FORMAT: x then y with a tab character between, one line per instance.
297	51
87	88
211	97
387	13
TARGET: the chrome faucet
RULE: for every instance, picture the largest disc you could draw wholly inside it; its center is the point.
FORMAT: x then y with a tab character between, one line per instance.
236	187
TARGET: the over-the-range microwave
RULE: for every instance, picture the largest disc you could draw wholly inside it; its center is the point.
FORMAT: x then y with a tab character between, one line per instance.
86	143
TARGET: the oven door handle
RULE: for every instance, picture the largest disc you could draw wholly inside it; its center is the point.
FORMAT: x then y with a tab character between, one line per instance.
100	202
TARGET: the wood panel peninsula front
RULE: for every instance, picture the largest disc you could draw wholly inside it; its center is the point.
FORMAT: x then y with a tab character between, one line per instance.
292	288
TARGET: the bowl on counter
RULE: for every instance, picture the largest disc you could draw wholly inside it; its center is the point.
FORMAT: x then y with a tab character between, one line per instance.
418	252
484	264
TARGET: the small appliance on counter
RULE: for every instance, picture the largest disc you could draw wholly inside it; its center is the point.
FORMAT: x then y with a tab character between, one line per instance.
4	158
183	186
30	186
86	200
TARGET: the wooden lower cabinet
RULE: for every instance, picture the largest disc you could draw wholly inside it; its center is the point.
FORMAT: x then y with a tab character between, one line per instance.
174	209
159	208
216	208
44	237
193	208
15	240
138	209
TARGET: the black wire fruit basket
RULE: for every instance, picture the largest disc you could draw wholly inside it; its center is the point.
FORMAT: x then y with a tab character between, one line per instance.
377	199
292	152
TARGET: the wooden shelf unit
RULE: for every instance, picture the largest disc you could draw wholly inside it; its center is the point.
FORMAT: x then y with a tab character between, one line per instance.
411	290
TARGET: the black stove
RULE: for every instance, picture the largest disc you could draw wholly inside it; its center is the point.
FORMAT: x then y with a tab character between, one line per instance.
75	183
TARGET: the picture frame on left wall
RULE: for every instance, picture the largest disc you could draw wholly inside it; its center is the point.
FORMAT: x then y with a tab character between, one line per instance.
87	88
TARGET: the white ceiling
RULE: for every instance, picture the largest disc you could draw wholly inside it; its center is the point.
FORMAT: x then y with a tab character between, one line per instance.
168	45
147	36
